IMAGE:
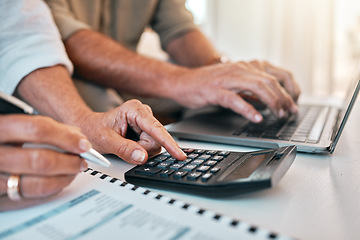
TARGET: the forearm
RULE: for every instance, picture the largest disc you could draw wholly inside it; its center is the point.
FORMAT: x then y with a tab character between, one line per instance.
52	92
193	49
103	61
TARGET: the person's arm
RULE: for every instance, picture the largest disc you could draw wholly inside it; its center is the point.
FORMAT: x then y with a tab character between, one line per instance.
193	49
34	62
102	60
188	46
51	92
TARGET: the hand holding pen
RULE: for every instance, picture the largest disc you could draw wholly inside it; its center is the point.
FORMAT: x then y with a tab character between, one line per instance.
38	156
29	174
13	105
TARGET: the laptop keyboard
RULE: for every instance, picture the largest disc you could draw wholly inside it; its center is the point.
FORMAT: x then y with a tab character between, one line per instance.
306	126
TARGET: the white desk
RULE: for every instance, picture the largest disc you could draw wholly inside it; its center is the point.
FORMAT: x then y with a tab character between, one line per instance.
318	198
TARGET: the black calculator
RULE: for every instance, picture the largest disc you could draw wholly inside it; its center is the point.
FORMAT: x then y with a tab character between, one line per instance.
214	173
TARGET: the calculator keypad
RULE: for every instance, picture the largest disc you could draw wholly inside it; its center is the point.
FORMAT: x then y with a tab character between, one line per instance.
214	173
199	164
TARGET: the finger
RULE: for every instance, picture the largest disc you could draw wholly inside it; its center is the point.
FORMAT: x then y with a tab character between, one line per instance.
157	131
141	120
255	64
149	144
126	149
37	186
283	96
259	83
40	187
233	101
45	162
282	76
253	100
39	129
6	204
286	79
148	108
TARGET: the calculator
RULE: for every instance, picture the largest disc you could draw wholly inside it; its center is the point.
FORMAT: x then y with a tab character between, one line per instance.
214	173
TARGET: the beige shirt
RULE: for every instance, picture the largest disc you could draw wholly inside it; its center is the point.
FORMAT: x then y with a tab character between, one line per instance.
123	20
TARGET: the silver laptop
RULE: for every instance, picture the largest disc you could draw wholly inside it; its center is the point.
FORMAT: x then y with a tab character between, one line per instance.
315	129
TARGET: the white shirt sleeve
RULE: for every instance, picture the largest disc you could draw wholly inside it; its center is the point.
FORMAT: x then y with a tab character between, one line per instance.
29	40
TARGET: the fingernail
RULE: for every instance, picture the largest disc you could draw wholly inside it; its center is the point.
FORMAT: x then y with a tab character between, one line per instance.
184	154
281	113
294	108
138	156
84	145
83	166
258	118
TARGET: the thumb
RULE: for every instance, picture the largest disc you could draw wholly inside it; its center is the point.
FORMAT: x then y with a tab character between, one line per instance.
131	152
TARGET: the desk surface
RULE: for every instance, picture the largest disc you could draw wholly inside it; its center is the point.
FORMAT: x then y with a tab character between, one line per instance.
318	198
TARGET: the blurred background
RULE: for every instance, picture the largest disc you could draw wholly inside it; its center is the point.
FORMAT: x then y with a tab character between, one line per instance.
318	40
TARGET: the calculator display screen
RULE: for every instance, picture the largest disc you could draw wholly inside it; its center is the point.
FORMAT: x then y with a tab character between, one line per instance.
246	168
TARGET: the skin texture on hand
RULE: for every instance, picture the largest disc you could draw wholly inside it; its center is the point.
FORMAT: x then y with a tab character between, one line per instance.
107	132
220	84
285	77
43	172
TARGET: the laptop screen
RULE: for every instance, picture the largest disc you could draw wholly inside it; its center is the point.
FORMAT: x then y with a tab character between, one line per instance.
345	111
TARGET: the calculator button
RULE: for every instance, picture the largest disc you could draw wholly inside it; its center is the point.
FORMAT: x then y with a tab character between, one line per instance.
202	168
160	158
186	160
166	154
204	157
217	158
192	155
189	167
151	163
166	173
176	166
199	151
215	169
197	162
194	176
172	159
224	153
206	177
164	165
179	174
145	170
211	152
210	163
187	150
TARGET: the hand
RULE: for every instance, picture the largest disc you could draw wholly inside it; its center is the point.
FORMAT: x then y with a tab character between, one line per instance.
223	84
285	77
43	172
108	131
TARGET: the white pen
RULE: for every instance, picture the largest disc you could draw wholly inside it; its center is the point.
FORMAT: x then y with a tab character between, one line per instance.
94	156
10	104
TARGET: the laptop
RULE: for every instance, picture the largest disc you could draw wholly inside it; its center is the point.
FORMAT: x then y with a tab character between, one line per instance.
314	129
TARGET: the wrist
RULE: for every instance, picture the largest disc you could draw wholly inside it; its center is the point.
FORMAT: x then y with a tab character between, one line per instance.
80	118
175	81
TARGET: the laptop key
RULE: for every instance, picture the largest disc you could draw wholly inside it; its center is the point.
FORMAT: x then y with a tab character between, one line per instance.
298	139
